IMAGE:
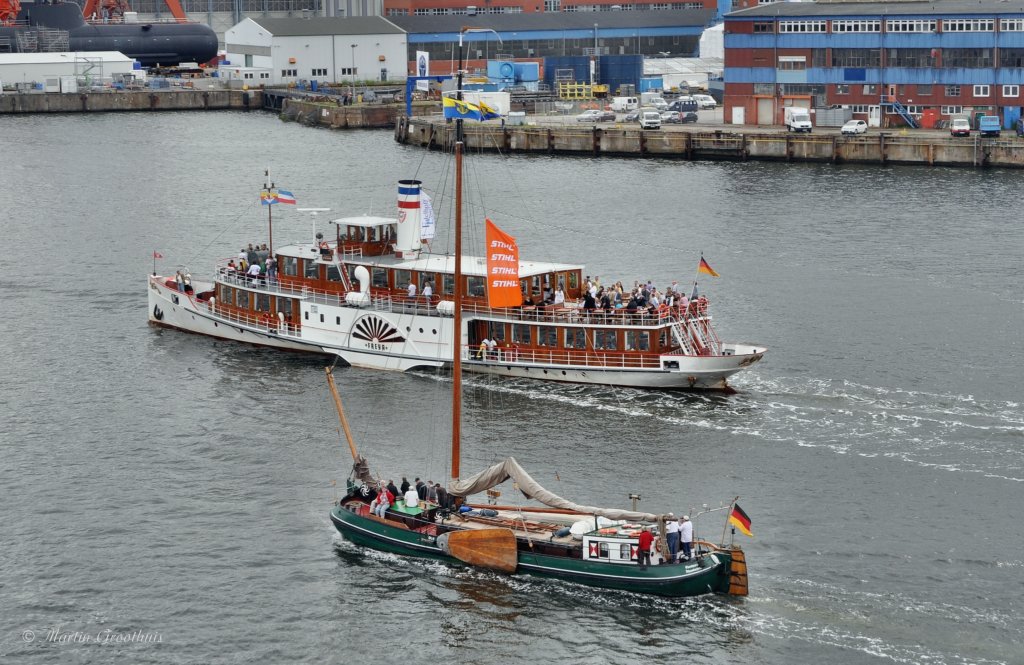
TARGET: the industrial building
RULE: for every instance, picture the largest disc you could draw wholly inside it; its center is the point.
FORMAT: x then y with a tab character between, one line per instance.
277	51
891	63
64	71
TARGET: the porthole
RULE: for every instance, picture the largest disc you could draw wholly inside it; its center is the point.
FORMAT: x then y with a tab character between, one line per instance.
421	331
434	331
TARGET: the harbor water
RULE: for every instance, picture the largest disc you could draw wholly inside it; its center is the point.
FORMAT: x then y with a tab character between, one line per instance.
166	495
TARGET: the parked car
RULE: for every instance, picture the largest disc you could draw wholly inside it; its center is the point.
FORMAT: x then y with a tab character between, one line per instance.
960	127
854	127
705	101
596	115
989	125
689	117
684	105
671	117
650	120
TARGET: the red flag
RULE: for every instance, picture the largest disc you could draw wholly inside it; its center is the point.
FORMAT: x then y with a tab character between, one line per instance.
157	255
502	268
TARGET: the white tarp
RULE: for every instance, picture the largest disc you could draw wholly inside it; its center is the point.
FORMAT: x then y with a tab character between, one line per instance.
531	489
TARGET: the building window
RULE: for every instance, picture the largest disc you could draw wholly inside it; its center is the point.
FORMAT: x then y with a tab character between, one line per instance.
521	334
924	90
546	336
767	89
967	24
1011	25
243	299
908	57
225	294
312	269
291	266
951	110
802	26
871	89
476	287
971	58
1011	57
952	91
792	63
906	25
262	302
982	91
856	57
348	71
763	27
319	72
289	72
333	274
1011	91
818	57
379	278
842	89
402	279
857	26
859	108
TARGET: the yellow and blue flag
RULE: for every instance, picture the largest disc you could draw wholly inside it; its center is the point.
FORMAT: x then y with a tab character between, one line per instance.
487	112
457	108
268	198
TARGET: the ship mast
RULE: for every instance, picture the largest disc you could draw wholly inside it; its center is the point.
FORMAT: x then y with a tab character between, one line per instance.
457	323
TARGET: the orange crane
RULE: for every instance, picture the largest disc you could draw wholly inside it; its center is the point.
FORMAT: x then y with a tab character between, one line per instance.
94	8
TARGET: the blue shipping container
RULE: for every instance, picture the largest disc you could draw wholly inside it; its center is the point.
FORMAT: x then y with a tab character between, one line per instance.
527	71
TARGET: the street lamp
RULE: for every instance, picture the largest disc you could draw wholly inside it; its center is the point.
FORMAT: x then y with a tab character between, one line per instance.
353	71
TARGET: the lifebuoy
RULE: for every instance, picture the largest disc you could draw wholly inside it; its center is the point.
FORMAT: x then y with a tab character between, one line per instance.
157	314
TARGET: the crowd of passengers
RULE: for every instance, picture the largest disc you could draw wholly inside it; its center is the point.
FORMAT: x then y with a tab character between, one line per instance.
414	495
643	298
255	262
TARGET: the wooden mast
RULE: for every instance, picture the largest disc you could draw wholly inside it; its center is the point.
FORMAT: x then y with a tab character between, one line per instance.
341	414
457	323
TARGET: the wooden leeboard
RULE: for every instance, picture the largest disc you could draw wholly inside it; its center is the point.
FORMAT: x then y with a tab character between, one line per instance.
486	548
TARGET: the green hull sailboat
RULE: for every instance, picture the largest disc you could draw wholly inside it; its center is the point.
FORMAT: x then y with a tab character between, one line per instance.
599	547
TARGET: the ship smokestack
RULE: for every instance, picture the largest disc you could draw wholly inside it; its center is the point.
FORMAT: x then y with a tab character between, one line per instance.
410	215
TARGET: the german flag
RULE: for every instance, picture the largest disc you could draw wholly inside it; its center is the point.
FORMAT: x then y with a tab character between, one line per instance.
739	519
703	267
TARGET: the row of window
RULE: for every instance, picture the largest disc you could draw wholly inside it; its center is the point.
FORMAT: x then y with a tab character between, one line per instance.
575	338
891	25
944	110
259	302
911	58
250	75
549	6
982	90
316	71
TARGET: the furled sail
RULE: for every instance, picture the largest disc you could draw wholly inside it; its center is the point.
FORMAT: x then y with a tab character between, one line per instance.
531	489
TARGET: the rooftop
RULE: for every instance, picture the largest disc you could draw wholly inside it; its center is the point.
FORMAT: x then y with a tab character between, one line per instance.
882	9
555	21
308	27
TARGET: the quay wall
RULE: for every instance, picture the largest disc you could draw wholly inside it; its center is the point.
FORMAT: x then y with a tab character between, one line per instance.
330	114
130	100
874	148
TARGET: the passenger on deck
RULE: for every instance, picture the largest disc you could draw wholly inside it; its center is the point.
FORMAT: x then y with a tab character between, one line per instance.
251	256
405	485
180	280
428	292
421	489
442	496
589	304
188	282
232	268
254	273
391	487
492	349
686	536
559	296
412	499
412	290
382	502
672	535
644	550
431	491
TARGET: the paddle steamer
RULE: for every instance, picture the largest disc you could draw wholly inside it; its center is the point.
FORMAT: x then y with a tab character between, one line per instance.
348	296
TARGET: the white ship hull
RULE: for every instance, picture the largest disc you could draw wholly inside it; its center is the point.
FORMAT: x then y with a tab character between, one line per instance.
404	341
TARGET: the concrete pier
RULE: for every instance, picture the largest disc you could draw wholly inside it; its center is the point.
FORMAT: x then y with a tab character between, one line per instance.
880	147
130	100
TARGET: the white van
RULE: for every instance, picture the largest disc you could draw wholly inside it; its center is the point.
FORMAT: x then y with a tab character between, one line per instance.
624	104
650	120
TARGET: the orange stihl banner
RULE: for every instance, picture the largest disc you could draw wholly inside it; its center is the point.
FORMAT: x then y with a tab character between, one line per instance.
502	268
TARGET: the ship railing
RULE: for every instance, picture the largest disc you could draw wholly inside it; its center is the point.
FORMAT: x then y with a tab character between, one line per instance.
573	313
607	358
265	322
695	334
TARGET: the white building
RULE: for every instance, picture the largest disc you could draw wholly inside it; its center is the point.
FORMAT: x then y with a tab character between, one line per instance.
87	68
328	50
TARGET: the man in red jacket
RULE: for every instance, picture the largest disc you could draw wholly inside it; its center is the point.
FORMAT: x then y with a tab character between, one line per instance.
646	541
